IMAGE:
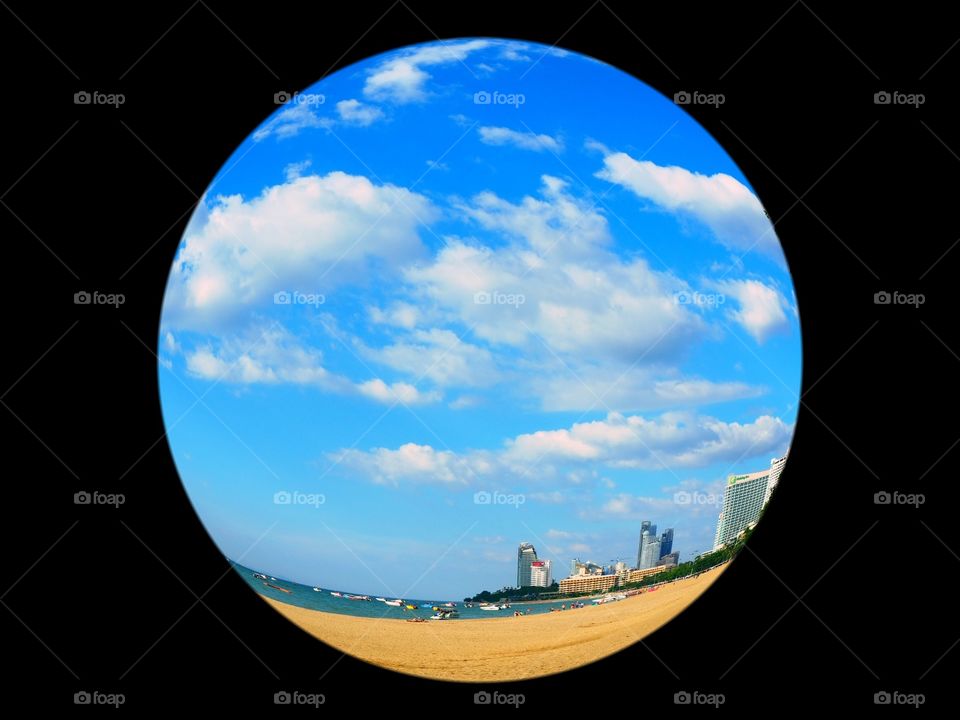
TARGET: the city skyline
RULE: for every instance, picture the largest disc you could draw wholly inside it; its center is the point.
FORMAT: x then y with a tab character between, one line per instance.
434	307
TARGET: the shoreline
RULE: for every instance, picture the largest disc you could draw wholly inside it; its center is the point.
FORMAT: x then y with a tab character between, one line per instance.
484	650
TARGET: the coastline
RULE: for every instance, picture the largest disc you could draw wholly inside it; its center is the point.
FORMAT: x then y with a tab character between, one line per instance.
503	648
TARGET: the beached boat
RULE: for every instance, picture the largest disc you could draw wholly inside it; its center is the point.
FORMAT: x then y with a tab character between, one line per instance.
336	594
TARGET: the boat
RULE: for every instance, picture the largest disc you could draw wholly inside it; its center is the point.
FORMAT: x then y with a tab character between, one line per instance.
277	587
358	597
336	594
316	589
426	605
445	615
394	603
491	607
449	604
409	607
260	576
380	599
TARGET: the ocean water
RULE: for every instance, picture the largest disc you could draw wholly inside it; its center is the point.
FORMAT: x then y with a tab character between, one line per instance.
306	597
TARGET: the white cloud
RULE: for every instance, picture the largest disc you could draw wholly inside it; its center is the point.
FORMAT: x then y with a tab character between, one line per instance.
491	135
238	252
762	307
401	79
400	392
290	121
293	170
721	202
440	356
355	112
671	441
411	463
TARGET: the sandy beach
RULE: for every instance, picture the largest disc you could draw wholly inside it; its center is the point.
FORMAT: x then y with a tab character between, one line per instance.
503	648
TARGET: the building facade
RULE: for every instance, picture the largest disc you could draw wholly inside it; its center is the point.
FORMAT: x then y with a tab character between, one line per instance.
540	575
743	499
526	556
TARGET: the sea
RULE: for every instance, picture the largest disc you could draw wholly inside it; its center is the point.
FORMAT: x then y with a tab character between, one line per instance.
306	597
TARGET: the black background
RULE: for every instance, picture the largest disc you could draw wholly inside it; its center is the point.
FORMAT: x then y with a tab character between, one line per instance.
107	600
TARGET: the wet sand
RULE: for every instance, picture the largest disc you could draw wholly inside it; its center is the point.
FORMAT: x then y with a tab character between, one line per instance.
502	648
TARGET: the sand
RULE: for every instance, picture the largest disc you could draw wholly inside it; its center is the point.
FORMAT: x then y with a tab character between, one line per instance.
502	648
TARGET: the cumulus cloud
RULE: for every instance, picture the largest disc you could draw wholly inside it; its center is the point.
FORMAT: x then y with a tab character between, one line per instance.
239	252
402	78
491	135
721	202
290	121
273	356
355	112
440	356
670	441
763	309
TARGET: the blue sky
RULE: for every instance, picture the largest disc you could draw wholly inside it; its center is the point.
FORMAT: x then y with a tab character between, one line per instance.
476	266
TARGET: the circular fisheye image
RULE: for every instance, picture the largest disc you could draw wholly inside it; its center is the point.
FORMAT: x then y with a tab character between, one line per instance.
479	360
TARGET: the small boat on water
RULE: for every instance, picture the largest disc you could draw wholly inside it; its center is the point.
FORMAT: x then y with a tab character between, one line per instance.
426	605
409	607
357	597
260	576
380	599
336	594
394	603
316	589
449	604
492	607
445	615
277	587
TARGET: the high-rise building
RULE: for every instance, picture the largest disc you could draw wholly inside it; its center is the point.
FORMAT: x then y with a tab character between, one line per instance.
776	467
526	555
670	559
540	573
743	500
650	553
666	542
648	528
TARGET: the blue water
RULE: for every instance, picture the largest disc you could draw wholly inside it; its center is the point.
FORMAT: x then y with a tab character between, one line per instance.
306	597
